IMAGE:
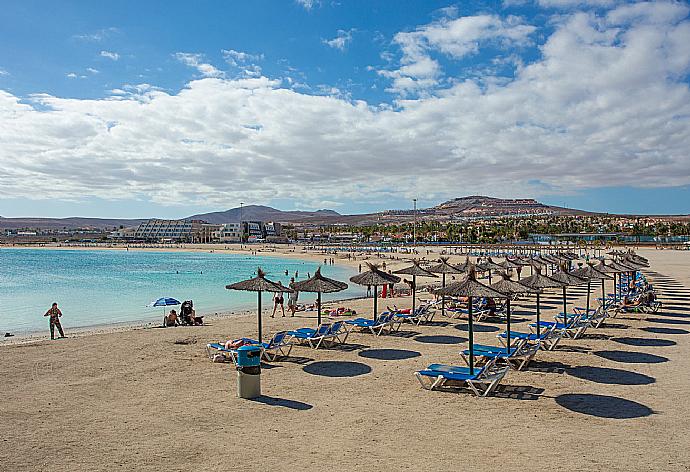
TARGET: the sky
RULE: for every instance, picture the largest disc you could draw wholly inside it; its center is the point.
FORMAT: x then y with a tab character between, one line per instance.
171	108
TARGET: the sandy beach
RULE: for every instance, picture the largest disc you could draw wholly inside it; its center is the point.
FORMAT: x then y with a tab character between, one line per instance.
150	399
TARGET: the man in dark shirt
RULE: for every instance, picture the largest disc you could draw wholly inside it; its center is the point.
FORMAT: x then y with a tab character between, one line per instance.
55	314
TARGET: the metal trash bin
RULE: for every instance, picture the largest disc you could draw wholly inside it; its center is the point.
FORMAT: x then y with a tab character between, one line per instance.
249	371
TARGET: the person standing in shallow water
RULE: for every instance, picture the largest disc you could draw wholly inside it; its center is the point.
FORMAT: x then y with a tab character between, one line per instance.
55	314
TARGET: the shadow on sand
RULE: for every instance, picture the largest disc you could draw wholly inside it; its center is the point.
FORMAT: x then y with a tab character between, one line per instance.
628	357
337	368
605	375
282	402
440	339
662	330
478	328
644	342
603	406
389	354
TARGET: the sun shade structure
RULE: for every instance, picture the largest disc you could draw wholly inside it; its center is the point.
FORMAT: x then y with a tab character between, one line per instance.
488	266
606	269
164	301
470	288
443	268
507	286
589	273
566	279
319	284
373	278
539	282
415	270
258	284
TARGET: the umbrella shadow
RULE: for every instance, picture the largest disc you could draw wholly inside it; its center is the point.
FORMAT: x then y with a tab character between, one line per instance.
597	336
477	328
297	360
580	349
547	367
608	325
644	342
266	366
440	339
606	375
603	406
674	315
439	324
337	368
283	402
518	392
662	330
389	354
349	347
669	321
404	334
631	357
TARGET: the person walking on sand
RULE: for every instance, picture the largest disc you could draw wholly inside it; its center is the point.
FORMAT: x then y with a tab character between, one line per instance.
292	298
55	314
278	300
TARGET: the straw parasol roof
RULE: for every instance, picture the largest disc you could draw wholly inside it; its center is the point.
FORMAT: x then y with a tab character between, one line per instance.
632	262
489	264
604	268
540	281
374	276
620	267
566	278
510	287
258	284
465	266
469	288
320	284
508	264
443	267
416	270
589	273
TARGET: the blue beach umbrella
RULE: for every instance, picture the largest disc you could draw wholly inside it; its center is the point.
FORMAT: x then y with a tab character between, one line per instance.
164	301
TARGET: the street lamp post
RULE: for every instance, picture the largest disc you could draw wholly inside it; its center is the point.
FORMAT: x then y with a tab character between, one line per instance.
414	224
241	228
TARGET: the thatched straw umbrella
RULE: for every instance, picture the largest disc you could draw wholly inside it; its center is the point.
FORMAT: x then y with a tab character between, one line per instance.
374	277
488	266
465	266
566	279
319	284
606	269
470	288
589	273
443	268
507	286
259	284
538	282
415	270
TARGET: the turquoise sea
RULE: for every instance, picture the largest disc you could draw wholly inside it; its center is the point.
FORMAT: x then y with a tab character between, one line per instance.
114	286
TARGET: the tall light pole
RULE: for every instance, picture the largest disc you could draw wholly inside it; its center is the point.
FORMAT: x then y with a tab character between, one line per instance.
241	228
414	224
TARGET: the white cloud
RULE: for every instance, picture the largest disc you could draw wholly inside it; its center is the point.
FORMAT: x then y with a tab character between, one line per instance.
342	39
97	36
110	55
576	3
3	72
606	104
92	70
71	75
195	61
235	58
453	37
308	4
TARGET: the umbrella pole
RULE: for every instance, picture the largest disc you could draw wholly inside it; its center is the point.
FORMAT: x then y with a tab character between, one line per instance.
375	301
471	331
443	298
603	296
538	327
589	284
565	309
508	325
260	339
414	290
318	306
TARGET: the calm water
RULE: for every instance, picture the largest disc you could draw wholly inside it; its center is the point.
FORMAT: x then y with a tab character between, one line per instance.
99	287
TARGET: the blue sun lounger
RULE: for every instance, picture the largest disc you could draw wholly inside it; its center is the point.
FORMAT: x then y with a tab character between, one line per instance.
229	354
376	327
278	346
484	380
517	357
313	337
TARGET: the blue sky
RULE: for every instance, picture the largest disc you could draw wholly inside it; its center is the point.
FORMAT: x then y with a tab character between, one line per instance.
172	108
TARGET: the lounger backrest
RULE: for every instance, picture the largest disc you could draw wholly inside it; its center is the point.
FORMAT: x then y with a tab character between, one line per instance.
323	329
335	327
277	338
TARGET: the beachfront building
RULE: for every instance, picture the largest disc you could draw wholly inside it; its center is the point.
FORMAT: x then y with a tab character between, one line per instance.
229	233
168	230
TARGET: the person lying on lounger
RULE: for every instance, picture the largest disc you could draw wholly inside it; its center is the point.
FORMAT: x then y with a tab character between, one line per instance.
237	343
627	304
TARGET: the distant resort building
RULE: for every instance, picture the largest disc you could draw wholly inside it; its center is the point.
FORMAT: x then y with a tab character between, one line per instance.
199	231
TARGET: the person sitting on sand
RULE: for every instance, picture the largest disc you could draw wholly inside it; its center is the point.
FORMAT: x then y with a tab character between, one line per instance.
170	319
